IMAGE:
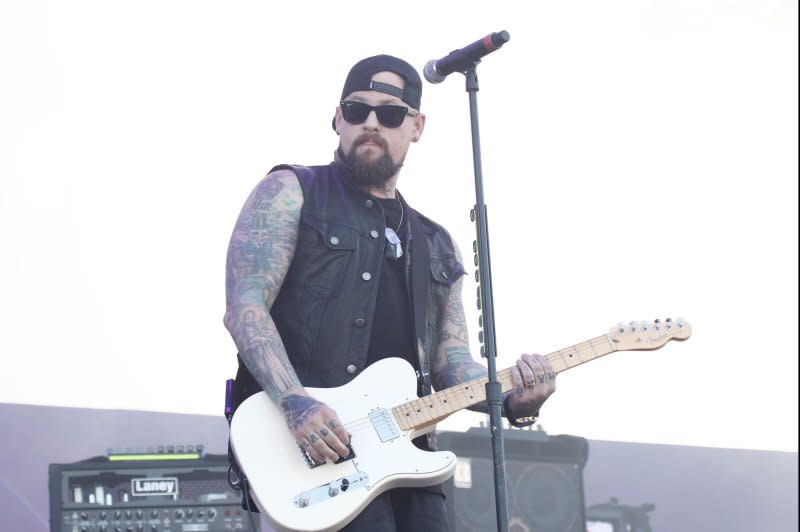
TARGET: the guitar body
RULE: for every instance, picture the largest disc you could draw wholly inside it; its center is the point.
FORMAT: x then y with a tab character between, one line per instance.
293	495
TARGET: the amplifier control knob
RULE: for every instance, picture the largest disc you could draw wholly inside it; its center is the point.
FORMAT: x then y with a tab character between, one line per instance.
178	514
103	514
117	514
139	514
189	512
200	513
154	514
212	514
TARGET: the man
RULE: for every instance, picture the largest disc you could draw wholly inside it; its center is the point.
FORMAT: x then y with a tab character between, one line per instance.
329	270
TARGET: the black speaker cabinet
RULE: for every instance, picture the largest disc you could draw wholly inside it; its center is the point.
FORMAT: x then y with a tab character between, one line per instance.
544	481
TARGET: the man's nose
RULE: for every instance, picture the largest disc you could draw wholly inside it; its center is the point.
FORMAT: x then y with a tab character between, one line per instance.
372	120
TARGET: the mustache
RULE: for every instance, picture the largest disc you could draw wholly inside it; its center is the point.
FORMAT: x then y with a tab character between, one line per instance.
370	137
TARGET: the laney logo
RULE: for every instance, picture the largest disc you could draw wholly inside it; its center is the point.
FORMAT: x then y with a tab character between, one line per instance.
142	487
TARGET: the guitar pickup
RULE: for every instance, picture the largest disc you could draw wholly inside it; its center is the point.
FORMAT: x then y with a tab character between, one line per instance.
313	463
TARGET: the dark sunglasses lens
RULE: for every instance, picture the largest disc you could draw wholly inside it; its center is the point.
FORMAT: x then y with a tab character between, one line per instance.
390	115
355	112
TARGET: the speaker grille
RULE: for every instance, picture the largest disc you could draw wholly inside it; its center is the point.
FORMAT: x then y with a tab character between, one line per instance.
544	483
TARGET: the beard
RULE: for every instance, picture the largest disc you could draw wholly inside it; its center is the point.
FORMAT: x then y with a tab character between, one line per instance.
370	172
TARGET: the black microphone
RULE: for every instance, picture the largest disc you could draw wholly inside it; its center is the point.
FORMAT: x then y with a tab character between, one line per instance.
461	60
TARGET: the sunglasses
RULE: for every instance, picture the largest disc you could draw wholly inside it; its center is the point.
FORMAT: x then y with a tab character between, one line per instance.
388	115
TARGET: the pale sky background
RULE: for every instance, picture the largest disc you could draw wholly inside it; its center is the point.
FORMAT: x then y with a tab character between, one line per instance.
640	161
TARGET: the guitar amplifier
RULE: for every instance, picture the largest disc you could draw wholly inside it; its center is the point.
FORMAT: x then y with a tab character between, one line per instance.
146	492
544	481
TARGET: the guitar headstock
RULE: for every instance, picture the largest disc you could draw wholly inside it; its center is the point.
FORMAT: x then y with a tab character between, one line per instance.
647	335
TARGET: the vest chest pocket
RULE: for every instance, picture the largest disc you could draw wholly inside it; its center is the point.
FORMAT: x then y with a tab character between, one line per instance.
328	253
446	270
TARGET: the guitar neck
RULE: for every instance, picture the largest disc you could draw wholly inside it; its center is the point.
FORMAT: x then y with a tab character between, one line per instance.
433	408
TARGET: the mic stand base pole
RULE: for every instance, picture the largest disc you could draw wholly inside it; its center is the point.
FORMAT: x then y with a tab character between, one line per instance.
494	395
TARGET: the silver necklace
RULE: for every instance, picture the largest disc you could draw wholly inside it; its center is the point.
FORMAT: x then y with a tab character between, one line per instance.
400	224
394	247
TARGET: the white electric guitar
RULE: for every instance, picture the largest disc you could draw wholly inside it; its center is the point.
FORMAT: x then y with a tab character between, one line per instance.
381	410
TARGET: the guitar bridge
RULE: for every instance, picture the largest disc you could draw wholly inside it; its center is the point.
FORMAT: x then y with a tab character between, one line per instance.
313	463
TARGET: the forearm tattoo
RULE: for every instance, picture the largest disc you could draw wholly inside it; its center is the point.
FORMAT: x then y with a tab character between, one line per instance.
298	408
259	254
459	367
452	363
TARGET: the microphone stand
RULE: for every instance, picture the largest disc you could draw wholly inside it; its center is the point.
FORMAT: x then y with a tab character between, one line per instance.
494	396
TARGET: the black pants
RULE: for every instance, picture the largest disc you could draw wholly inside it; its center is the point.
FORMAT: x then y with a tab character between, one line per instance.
403	510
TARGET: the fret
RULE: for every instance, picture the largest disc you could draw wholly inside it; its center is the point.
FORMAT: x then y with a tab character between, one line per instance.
563	361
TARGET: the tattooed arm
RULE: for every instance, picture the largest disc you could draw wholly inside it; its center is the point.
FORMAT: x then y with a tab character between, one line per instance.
452	363
261	249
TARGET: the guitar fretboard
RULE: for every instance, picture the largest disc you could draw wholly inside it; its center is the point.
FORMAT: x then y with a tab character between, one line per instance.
433	408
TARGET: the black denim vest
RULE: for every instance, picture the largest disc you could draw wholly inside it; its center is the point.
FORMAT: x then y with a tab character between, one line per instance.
325	306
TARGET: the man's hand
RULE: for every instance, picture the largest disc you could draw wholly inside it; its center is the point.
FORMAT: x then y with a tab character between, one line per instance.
316	427
534	382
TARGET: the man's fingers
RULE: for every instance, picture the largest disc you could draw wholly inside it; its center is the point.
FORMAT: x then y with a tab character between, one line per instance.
528	378
321	446
311	450
334	441
540	367
341	433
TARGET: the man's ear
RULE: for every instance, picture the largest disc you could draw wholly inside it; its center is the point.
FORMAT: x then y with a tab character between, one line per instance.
337	119
419	127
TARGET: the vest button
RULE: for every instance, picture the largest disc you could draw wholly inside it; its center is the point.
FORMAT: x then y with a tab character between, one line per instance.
351	369
334	240
366	276
374	233
368	204
360	322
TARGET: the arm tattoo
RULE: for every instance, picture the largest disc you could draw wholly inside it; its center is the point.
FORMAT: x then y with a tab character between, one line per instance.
259	254
459	368
297	409
452	362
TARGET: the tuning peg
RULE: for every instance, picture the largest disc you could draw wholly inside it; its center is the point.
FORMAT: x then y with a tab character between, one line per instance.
645	325
621	327
669	323
633	326
657	324
681	322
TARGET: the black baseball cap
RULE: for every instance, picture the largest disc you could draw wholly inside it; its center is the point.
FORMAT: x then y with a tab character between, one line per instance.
360	79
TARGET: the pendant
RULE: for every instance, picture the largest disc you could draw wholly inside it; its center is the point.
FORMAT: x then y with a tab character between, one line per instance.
394	248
